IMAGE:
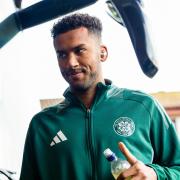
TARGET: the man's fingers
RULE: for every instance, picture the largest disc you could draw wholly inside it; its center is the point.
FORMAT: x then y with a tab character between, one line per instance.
131	159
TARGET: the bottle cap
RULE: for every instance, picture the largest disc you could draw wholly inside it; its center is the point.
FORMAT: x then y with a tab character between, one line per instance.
110	156
108	152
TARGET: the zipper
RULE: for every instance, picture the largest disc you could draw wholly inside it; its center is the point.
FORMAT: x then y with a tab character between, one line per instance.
91	143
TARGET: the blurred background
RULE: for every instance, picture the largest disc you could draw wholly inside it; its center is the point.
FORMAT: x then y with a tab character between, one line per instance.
29	70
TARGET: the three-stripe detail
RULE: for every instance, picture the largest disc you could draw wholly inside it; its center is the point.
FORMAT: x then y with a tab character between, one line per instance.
58	138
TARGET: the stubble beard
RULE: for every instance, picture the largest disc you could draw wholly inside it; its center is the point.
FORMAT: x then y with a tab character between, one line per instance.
84	86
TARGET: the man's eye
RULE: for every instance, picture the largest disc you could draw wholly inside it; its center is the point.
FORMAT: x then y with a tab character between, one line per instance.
80	50
61	55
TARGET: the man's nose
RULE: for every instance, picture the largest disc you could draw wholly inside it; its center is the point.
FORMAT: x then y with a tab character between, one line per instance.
72	60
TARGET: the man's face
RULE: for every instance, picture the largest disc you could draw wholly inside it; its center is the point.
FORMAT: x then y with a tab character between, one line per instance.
79	58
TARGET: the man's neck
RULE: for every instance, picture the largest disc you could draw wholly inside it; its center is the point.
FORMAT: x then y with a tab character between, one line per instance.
87	96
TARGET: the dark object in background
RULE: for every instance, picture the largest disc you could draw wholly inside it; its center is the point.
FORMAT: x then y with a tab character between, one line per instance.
36	14
17	3
6	174
46	10
129	13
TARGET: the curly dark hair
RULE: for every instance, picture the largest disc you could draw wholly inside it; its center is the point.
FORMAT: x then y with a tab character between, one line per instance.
77	20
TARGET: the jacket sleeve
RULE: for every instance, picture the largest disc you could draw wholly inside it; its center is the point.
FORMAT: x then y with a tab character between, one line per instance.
166	144
29	167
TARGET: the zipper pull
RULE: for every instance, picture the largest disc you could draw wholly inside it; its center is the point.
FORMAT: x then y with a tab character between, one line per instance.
88	113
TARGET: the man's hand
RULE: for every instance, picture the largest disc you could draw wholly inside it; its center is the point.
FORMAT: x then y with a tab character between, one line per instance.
138	170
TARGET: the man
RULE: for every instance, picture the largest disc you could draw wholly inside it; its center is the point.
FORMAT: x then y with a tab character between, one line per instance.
67	141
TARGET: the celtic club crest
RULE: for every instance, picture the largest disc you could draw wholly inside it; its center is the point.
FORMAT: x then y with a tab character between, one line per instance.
124	126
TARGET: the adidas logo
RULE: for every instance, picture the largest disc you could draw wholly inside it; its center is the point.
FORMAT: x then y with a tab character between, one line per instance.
58	138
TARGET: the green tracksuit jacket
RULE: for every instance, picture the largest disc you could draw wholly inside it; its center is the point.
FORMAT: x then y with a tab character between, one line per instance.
66	141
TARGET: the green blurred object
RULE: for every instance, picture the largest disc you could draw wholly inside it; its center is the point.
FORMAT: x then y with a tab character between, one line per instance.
36	14
8	29
131	15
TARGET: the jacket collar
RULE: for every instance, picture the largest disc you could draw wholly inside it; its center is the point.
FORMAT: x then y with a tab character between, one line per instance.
100	92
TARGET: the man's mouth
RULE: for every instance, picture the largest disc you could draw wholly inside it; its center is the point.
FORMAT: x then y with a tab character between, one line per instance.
71	72
75	73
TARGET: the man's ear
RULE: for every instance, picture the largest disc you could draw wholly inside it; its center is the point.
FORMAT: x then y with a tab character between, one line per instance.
103	53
